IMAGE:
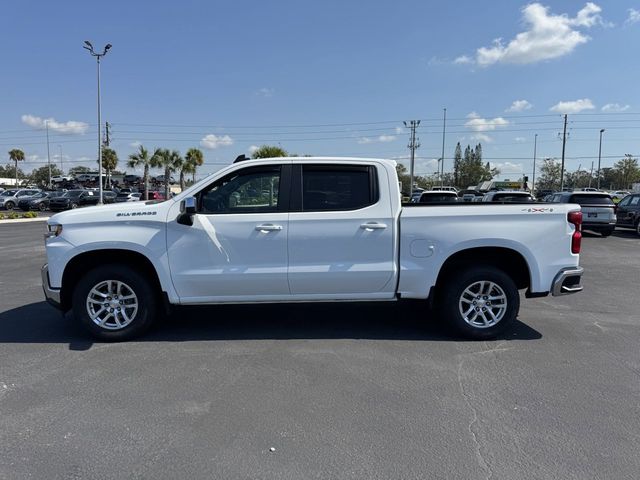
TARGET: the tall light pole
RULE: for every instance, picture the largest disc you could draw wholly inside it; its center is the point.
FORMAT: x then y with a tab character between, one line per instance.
535	145
46	126
413	144
444	128
600	156
89	47
61	169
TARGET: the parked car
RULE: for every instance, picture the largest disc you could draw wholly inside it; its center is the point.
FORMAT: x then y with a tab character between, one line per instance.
437	196
39	201
132	178
598	210
127	197
62	178
9	198
506	196
325	229
153	195
619	194
445	188
628	212
160	179
73	199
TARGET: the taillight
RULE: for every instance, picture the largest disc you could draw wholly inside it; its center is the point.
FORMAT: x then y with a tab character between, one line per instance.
575	218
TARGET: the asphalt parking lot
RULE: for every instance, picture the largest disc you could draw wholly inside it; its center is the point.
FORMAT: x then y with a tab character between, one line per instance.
339	391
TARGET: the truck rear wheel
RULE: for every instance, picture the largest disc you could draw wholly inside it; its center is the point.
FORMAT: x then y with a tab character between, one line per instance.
480	301
114	303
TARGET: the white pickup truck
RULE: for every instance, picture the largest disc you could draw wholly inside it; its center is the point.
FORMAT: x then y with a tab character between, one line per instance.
307	230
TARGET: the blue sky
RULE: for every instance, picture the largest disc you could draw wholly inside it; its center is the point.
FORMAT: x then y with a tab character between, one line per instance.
324	78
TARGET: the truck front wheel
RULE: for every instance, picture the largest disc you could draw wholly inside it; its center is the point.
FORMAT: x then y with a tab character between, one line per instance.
480	302
114	303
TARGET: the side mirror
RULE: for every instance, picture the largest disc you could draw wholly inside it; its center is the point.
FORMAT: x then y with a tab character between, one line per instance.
187	210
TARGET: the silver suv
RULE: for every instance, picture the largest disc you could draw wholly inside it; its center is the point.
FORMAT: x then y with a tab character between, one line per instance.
598	210
9	198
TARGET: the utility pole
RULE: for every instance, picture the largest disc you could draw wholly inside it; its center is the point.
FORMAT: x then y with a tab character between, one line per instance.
46	126
535	146
591	174
444	128
413	145
106	141
564	143
61	170
600	156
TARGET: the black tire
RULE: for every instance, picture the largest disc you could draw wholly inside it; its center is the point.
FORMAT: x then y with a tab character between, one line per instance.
456	292
607	233
42	207
139	319
73	206
9	205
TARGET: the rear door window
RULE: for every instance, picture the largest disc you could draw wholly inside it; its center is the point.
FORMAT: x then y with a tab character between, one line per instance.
331	187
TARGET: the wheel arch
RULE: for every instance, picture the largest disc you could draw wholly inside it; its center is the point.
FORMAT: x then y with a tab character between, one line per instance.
83	262
512	262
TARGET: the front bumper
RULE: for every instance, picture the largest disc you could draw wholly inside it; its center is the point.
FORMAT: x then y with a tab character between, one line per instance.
51	294
567	281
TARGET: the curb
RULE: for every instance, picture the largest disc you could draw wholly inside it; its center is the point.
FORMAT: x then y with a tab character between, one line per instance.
23	220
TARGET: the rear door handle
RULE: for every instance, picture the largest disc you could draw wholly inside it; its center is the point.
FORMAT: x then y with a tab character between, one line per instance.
369	227
268	227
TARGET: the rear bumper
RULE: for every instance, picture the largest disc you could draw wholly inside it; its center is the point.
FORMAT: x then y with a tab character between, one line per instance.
567	281
51	294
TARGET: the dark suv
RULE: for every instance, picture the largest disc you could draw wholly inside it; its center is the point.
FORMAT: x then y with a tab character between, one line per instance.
629	212
598	210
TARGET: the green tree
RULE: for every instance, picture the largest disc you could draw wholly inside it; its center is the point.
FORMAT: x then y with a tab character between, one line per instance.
626	171
549	178
109	162
16	155
170	161
142	158
472	171
269	151
10	171
457	161
194	158
40	176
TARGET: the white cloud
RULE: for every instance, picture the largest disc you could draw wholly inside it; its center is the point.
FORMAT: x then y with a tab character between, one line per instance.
481	137
33	158
547	36
253	149
70	128
615	107
519	106
266	92
634	16
574	106
463	60
212	141
478	124
135	144
508	167
399	130
379	139
520	139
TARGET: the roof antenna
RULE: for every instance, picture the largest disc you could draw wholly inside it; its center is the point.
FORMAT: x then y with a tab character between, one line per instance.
241	158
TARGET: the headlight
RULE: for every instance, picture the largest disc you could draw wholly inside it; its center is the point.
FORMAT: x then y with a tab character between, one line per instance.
53	230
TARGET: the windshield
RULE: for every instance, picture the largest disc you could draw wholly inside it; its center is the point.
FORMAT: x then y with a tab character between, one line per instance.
8	193
586	199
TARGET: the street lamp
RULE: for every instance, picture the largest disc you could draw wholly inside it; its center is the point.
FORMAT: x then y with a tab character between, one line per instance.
61	169
89	47
600	156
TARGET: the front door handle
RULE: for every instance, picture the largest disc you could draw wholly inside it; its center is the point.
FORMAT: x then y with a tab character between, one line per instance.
371	226
268	227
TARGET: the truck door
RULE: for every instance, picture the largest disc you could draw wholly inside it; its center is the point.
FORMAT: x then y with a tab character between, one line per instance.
236	249
341	232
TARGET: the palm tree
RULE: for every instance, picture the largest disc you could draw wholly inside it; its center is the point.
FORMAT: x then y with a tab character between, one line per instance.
186	167
195	158
109	162
16	155
170	161
141	157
